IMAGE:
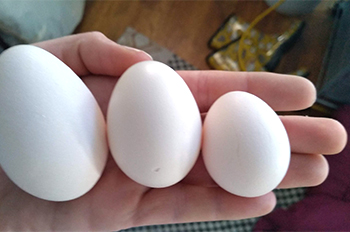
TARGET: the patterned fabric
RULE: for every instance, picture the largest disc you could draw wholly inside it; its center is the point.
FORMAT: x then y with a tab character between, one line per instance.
179	64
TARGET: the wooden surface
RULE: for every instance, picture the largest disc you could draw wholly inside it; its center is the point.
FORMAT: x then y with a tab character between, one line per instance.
185	27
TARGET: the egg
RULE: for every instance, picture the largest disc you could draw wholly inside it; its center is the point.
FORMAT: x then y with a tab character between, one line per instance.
245	145
154	125
53	142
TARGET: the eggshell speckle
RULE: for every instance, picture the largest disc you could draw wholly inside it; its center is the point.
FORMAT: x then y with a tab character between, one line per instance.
245	145
154	125
53	141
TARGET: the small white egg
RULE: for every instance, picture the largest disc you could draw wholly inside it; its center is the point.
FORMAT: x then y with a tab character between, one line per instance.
154	125
245	145
53	141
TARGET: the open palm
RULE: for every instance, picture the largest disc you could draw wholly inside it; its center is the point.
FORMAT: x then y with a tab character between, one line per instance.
117	202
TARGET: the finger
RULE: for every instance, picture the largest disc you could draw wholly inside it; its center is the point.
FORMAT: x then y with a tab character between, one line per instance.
312	135
199	175
305	170
306	135
93	53
186	203
315	135
101	87
281	92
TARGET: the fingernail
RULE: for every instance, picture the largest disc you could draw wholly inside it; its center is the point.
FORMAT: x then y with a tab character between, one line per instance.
138	50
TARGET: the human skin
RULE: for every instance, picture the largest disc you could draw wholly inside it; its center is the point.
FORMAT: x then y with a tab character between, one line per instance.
117	202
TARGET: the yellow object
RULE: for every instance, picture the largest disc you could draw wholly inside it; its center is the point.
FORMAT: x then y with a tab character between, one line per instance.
242	43
231	30
262	50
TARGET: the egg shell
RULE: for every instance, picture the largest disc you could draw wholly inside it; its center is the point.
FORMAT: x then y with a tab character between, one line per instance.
53	141
245	145
154	125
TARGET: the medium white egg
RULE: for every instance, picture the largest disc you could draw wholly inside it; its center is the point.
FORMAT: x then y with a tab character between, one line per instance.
154	125
53	141
245	145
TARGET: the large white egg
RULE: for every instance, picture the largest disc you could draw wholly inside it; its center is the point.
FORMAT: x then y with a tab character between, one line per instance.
53	141
154	125
245	145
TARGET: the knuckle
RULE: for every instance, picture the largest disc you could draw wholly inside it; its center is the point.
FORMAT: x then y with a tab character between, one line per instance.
94	36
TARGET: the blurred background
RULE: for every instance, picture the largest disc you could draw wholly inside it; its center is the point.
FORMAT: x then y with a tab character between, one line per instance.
306	38
300	38
185	27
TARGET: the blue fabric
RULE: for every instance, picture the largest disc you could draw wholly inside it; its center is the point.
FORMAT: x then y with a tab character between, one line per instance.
334	81
32	21
337	89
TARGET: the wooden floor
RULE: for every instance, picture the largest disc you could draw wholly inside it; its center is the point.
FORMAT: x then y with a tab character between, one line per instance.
185	27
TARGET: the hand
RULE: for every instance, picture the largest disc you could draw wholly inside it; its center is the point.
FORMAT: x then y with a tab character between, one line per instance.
116	202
